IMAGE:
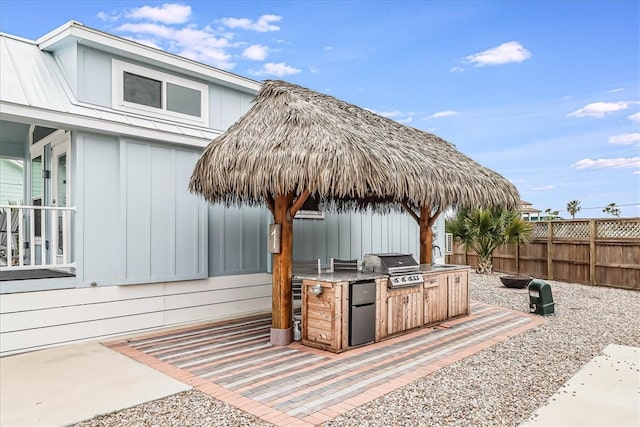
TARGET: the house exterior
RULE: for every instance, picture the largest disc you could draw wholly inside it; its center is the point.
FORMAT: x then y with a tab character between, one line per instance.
529	213
11	173
106	132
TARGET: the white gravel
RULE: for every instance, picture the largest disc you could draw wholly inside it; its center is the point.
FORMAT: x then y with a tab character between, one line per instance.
502	385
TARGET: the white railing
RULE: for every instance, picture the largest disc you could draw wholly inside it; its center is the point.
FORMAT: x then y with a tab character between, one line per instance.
49	238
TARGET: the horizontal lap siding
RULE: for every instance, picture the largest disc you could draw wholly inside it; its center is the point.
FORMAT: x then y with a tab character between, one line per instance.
33	320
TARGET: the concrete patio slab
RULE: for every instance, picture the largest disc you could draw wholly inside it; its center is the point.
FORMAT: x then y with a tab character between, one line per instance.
605	392
64	385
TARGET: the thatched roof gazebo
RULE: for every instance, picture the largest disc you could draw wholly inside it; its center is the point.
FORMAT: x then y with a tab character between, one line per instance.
295	142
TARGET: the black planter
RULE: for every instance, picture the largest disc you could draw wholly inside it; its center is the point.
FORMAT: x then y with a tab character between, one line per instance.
516	282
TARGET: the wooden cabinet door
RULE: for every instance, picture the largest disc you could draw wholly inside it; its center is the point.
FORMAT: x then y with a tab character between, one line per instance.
435	298
404	309
458	293
322	316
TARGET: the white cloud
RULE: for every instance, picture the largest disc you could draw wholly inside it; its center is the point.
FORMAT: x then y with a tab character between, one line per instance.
217	57
389	114
456	70
599	109
262	25
636	172
198	45
543	188
168	13
503	54
616	90
256	52
440	114
103	16
201	39
624	139
328	48
635	117
279	69
629	162
396	115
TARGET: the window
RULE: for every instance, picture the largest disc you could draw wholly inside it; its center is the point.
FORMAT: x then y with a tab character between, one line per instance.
143	90
310	210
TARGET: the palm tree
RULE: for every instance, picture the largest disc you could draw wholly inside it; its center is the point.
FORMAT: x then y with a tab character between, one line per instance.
573	207
612	209
483	230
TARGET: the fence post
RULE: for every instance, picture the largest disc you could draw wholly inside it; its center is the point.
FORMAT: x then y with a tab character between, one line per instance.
592	251
517	259
550	251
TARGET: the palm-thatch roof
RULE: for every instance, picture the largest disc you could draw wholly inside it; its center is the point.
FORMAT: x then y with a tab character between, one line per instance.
294	139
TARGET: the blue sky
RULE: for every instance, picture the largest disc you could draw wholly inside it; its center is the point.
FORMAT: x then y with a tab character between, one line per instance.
547	93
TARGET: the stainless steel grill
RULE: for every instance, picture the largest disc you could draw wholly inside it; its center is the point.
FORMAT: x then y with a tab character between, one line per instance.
402	269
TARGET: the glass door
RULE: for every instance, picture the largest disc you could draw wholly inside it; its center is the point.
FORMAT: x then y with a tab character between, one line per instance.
49	190
60	185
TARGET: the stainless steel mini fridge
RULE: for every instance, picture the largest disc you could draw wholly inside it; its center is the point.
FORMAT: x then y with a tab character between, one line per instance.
362	313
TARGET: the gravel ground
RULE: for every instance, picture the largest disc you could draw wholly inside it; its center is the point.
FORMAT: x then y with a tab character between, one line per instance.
500	386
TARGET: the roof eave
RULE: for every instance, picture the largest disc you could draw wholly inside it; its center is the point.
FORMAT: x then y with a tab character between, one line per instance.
67	120
75	31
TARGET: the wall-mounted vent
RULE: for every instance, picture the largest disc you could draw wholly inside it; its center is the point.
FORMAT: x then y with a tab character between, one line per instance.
448	243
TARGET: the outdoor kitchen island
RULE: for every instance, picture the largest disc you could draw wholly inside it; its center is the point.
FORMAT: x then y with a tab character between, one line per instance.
344	310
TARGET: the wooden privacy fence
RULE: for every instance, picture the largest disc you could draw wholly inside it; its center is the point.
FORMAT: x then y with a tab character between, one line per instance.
597	251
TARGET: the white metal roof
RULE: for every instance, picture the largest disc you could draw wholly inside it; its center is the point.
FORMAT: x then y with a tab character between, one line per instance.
33	90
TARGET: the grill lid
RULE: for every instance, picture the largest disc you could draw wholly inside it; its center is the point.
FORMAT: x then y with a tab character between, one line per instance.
390	263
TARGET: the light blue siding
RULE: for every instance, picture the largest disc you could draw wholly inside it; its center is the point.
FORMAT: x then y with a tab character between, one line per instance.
137	186
94	85
139	222
93	78
11	182
191	219
352	235
226	106
98	209
237	240
163	246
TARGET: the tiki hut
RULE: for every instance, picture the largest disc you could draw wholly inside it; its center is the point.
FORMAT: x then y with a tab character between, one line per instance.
295	142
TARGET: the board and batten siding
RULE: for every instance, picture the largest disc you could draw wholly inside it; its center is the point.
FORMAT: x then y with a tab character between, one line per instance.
136	222
237	240
89	72
35	320
352	235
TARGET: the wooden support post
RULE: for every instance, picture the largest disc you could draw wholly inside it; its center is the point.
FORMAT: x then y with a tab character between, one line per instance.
592	251
426	236
517	259
281	297
550	251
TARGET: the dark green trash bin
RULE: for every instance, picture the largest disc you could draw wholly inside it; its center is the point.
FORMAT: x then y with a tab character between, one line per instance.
540	298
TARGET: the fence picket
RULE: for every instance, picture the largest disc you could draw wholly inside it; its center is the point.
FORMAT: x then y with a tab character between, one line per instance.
604	252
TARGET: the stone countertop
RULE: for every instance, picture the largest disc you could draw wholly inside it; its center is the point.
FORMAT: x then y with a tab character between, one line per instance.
353	276
341	276
439	268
